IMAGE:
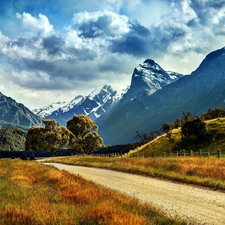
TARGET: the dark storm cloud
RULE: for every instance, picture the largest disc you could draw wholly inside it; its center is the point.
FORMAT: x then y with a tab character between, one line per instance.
53	44
36	65
93	29
136	42
82	54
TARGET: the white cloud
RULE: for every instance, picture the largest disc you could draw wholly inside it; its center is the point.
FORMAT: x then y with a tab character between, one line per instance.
100	24
36	26
104	43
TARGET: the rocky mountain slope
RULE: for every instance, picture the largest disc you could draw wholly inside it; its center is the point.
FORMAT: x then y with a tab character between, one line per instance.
97	103
149	77
203	89
16	114
48	110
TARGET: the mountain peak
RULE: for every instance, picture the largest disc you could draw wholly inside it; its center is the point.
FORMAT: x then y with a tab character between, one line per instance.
150	77
151	64
98	102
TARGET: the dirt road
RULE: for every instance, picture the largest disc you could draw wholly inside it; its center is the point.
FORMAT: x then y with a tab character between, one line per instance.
195	205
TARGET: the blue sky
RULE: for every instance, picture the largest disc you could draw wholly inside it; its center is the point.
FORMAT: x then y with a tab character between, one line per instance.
54	50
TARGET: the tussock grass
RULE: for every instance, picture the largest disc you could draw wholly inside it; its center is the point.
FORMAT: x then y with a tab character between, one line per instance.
33	194
209	172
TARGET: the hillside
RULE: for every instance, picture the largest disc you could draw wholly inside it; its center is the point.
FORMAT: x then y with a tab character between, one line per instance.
162	144
12	139
16	114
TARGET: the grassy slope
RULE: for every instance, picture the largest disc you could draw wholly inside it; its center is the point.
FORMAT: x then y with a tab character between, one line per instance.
158	146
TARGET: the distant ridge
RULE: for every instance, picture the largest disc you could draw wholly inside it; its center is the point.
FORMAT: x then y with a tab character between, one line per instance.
16	114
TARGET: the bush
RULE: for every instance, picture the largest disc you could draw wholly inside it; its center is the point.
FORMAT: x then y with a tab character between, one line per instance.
23	156
32	156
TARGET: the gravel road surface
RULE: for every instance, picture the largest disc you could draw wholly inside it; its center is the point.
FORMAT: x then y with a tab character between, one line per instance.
194	204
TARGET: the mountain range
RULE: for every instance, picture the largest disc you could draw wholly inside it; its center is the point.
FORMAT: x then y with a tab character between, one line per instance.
147	77
204	88
97	103
154	96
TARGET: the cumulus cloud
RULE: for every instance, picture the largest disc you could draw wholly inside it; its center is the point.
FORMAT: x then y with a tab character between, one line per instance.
38	26
103	42
100	24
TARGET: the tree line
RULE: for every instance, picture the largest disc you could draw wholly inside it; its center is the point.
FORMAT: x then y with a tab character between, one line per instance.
193	129
80	136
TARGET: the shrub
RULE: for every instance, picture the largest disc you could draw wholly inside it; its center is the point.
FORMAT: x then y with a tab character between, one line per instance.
32	156
23	156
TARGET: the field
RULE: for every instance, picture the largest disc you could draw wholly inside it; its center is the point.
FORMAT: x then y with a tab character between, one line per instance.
32	193
209	172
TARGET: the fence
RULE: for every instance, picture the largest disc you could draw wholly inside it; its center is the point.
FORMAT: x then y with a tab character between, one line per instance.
200	153
181	153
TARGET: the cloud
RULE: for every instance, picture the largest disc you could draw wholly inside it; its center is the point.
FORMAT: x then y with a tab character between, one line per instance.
37	26
100	24
53	45
136	42
92	44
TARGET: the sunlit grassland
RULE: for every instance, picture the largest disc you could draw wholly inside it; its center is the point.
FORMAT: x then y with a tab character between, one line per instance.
209	172
31	193
162	144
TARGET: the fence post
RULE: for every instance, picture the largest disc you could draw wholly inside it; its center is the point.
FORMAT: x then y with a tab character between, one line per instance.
177	153
164	154
184	152
208	154
191	153
200	153
219	153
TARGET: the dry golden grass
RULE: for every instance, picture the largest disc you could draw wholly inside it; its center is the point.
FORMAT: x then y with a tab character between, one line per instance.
36	194
208	172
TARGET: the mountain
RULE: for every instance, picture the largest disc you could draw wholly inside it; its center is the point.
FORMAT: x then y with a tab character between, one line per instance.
149	77
48	110
204	88
16	114
97	103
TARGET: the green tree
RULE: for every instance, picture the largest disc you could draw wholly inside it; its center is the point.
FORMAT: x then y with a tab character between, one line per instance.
186	116
167	128
214	113
85	131
12	139
194	131
51	138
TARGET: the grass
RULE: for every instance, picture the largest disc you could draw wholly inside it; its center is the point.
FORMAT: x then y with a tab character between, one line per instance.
209	172
33	194
162	144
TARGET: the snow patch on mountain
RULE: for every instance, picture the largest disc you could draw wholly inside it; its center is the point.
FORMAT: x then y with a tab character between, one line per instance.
77	100
150	77
48	110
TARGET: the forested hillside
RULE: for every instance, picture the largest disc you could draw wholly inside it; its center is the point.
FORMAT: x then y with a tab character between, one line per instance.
12	139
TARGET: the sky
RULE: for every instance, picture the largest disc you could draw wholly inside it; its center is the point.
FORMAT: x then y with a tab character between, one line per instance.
54	50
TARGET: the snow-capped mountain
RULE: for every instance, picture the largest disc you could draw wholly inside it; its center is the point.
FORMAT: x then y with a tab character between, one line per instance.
98	102
203	89
48	110
150	77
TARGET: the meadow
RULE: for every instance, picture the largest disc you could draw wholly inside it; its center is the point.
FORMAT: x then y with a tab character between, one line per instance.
32	193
